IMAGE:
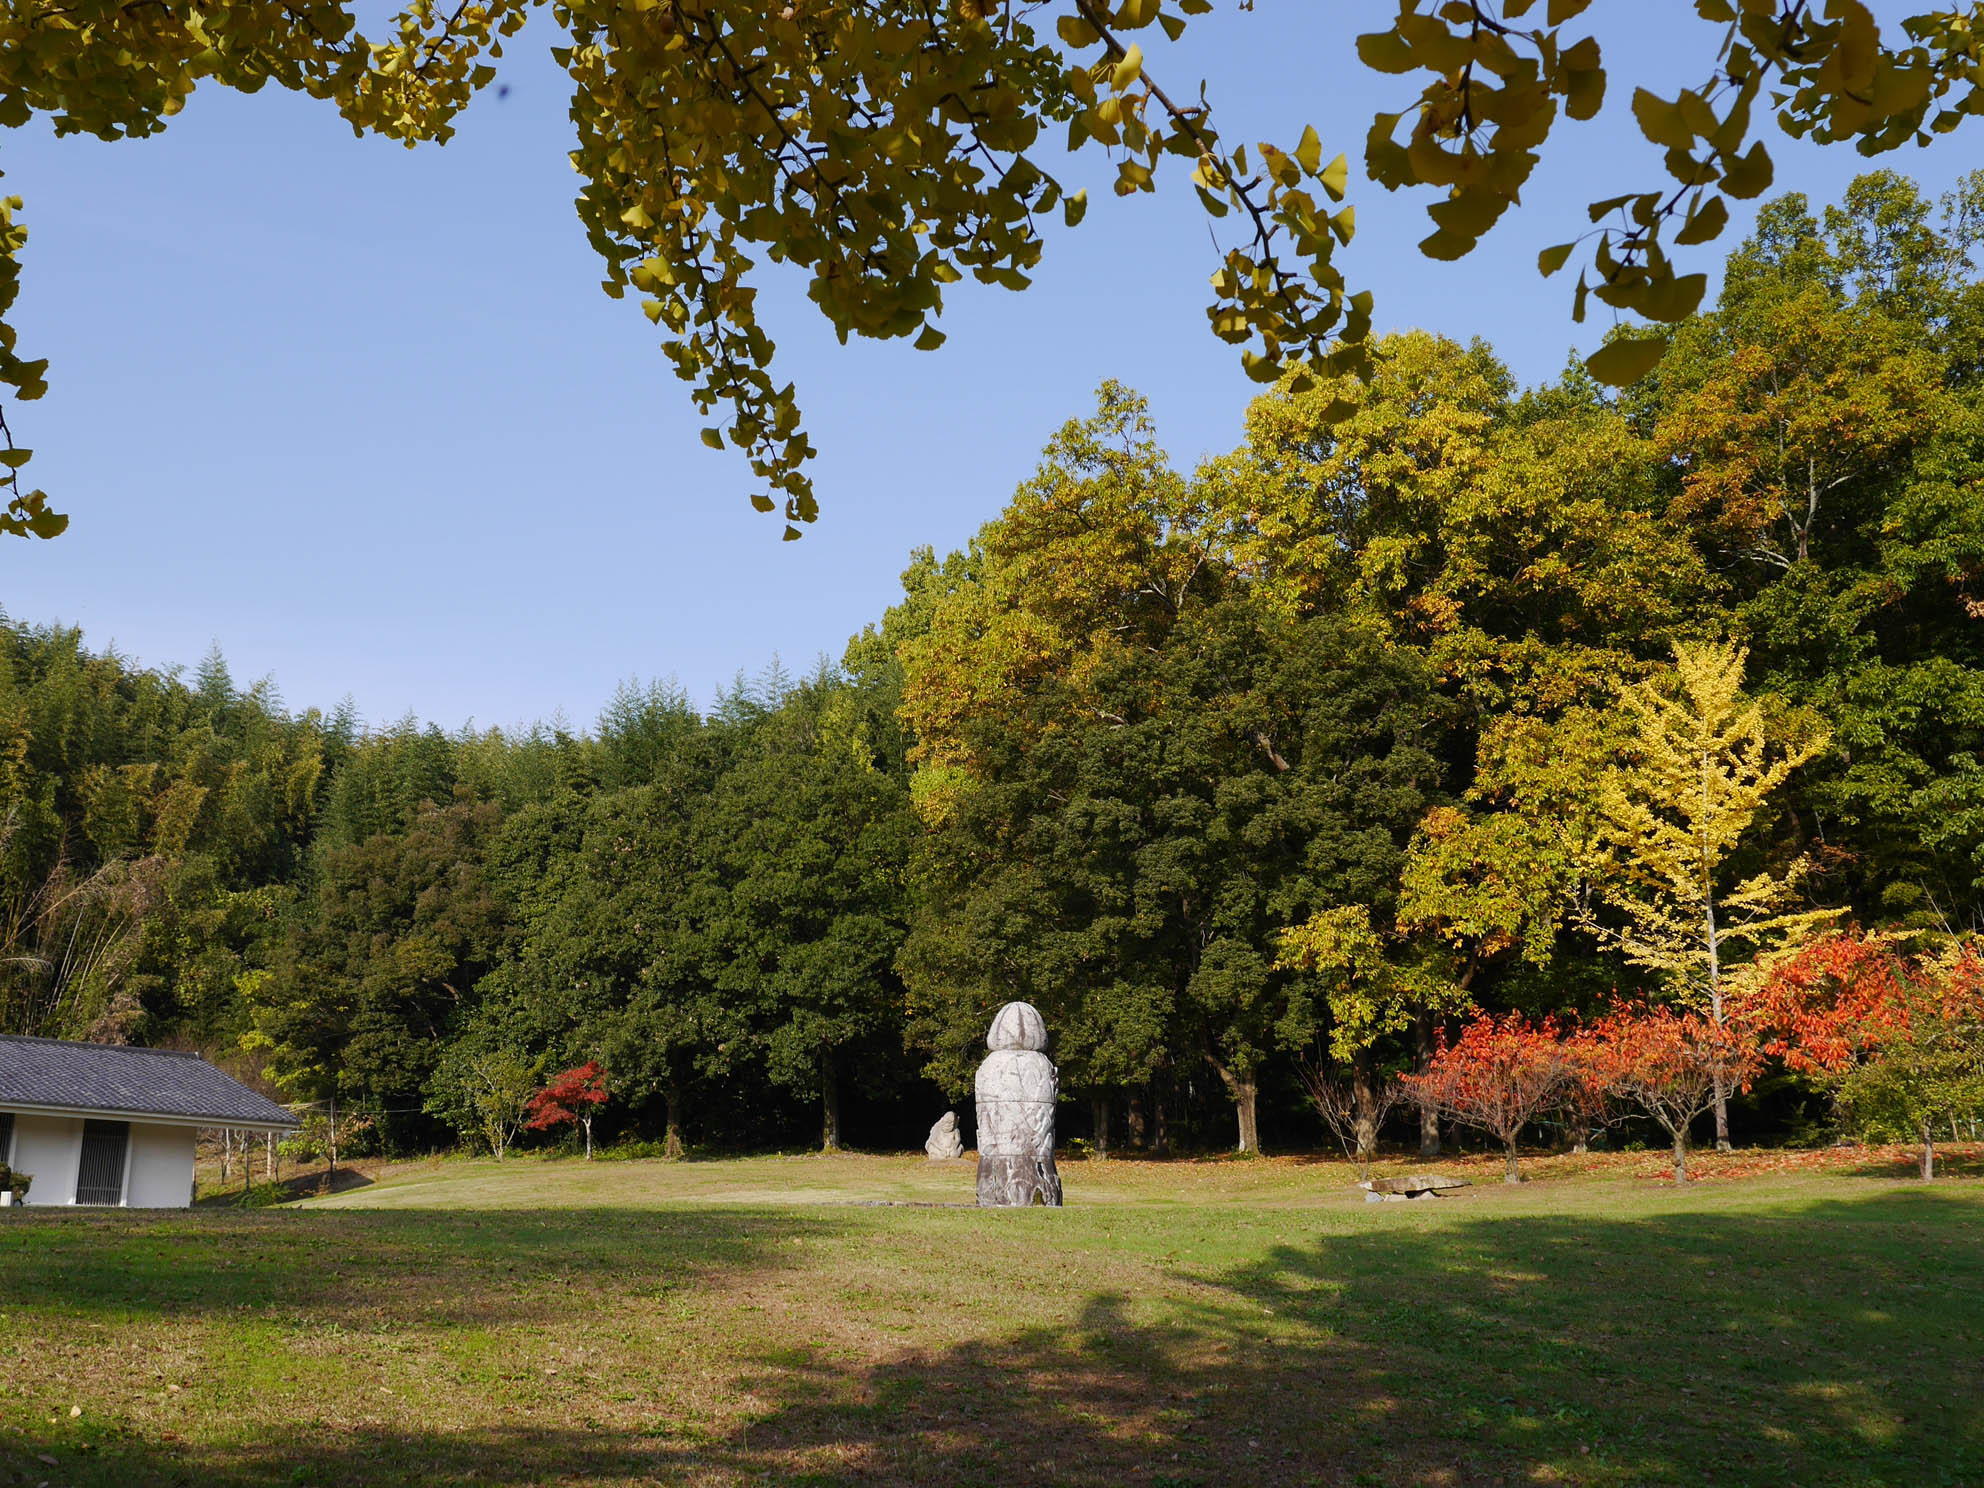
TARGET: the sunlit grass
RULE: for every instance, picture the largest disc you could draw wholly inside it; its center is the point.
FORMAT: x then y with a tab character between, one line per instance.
837	1320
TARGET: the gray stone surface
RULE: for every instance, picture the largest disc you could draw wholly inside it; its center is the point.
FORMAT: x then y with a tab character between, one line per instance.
1412	1185
944	1143
1016	1087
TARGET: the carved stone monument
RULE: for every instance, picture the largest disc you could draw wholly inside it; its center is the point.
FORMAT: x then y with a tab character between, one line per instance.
1016	1087
944	1140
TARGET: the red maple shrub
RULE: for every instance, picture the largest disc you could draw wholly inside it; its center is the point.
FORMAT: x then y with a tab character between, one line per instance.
1836	1000
1498	1076
1897	1039
1589	1102
575	1094
1670	1065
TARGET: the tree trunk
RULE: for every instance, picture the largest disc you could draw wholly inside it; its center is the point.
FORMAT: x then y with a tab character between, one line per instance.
671	1145
1160	1128
1364	1095
1135	1120
1681	1155
1715	1011
1098	1106
1245	1092
829	1103
1246	1106
1928	1153
586	1122
1429	1118
1514	1174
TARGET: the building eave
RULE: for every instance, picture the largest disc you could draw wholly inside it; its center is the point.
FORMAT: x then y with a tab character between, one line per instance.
153	1118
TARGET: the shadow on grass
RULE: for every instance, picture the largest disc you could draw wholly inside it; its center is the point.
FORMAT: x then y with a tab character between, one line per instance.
1957	1160
413	1269
1833	1344
307	1184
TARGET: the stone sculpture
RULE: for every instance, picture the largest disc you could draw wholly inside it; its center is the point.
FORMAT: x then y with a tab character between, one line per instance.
1016	1086
944	1140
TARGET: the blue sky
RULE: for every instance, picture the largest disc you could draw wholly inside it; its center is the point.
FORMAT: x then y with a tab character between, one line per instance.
362	416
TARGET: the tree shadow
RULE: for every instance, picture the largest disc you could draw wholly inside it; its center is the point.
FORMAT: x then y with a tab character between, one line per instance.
1953	1160
309	1183
428	1268
1829	1345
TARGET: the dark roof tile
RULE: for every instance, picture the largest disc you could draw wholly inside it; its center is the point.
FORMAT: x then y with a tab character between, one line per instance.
116	1077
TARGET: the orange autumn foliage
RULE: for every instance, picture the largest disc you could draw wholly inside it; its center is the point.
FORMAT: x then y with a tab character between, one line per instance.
1498	1076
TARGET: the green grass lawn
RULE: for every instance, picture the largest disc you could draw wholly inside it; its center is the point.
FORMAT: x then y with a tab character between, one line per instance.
809	1320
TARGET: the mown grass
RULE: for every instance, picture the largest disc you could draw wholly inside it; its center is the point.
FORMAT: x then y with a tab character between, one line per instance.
805	1320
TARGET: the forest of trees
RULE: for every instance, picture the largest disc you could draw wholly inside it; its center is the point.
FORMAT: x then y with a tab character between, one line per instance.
1256	778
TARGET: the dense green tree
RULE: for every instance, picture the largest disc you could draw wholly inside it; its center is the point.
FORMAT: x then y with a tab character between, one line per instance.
613	960
382	965
808	835
1158	767
1825	429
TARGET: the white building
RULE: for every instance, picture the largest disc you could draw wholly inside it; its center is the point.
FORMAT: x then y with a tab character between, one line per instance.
109	1124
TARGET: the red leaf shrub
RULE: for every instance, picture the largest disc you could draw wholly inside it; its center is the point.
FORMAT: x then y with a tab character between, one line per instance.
572	1095
1498	1076
1670	1065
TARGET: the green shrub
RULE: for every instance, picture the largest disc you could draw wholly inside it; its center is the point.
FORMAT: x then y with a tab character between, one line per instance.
631	1151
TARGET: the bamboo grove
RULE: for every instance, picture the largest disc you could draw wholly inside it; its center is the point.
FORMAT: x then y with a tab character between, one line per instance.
1260	779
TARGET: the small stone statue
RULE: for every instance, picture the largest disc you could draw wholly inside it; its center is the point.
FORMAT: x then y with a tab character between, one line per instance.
1016	1087
944	1140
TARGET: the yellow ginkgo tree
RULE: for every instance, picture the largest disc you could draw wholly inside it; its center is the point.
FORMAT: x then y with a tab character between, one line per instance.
1700	760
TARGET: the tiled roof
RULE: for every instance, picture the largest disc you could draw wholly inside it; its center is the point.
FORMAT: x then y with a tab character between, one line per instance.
114	1077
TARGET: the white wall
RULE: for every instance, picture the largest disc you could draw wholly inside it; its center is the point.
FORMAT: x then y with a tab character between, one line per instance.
160	1175
158	1172
47	1149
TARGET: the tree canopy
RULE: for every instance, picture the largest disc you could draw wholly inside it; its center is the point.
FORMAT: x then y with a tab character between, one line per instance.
891	148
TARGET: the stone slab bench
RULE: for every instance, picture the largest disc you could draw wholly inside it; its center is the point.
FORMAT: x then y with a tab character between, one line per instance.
1408	1186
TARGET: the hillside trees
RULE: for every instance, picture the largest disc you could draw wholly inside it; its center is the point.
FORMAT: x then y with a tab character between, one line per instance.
808	833
1164	769
1288	762
1834	391
148	832
382	964
889	150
